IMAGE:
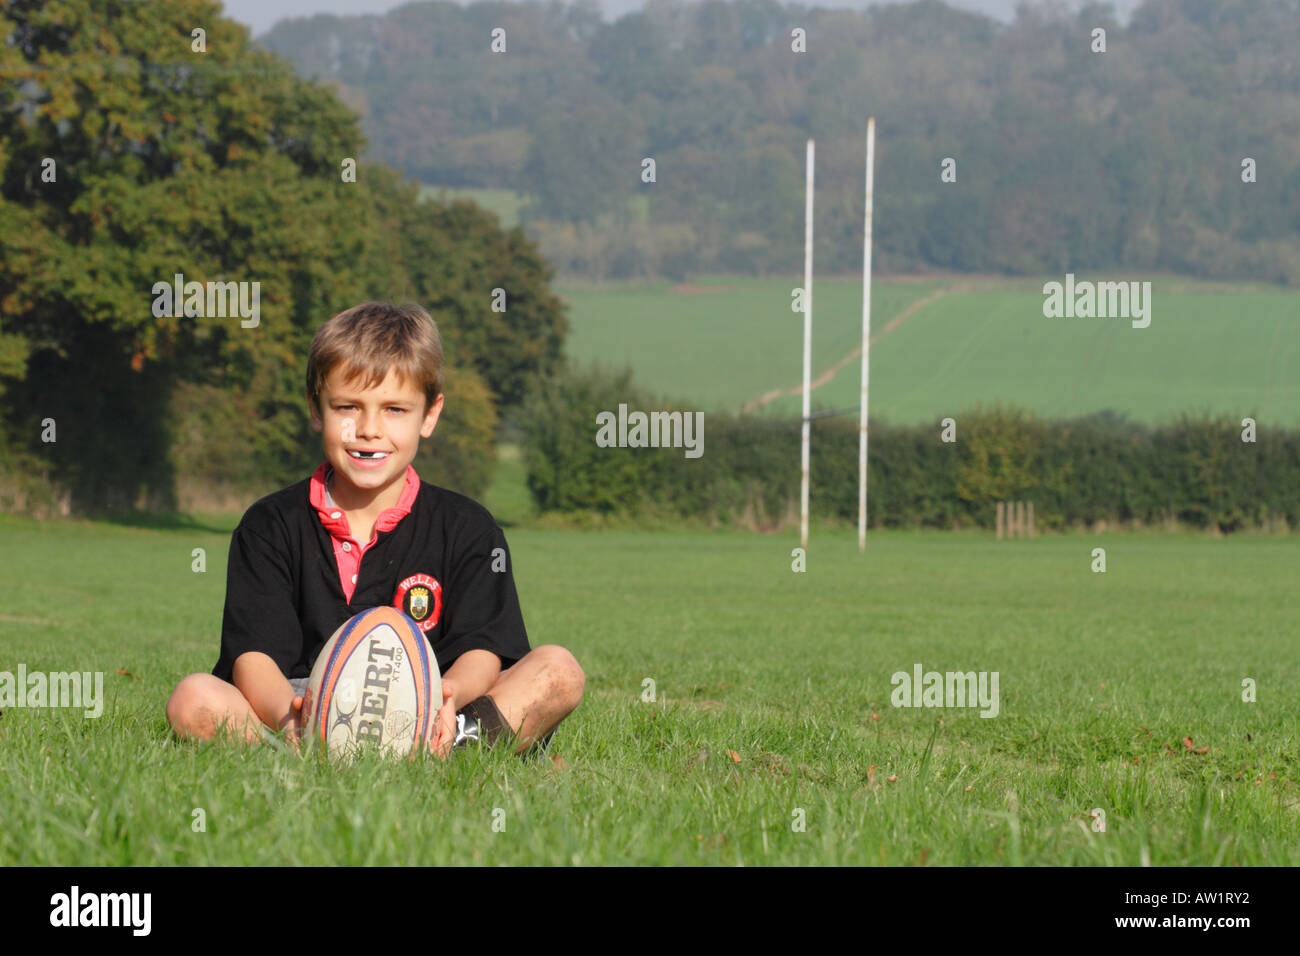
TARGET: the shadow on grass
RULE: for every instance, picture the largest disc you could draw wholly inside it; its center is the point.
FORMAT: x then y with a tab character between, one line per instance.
208	523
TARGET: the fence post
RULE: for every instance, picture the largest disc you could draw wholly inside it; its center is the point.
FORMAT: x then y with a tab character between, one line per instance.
1002	512
1032	530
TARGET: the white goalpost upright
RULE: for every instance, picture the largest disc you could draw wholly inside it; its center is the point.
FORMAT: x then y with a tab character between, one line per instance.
866	340
807	344
806	433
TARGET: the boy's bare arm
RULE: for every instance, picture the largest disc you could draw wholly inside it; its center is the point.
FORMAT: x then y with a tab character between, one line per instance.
466	680
266	689
472	674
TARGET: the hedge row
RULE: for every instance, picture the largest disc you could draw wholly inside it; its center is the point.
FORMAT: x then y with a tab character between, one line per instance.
1196	471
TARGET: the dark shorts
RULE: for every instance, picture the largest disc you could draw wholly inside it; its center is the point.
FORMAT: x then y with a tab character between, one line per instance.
299	685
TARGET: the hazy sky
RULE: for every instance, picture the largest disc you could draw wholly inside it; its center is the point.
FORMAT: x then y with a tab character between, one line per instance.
261	14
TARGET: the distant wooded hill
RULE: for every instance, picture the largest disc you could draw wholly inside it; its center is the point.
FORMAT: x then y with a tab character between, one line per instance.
1065	158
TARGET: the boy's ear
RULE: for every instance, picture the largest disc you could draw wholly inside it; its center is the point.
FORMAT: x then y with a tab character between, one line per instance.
431	418
317	423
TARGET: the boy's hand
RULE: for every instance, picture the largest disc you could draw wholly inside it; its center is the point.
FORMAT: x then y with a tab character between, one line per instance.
291	724
445	721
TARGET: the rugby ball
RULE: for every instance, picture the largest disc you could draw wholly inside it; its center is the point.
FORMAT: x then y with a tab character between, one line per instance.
375	684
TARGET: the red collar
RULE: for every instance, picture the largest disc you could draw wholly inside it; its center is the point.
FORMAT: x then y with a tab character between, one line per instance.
336	521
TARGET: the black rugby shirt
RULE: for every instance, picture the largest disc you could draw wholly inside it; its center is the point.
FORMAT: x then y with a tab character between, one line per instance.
284	598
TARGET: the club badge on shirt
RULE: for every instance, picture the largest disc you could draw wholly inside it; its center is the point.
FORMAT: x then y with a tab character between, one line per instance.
420	598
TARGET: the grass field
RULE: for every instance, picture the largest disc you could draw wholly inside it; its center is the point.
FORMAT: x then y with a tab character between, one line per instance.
1101	678
1215	347
504	202
507	497
725	341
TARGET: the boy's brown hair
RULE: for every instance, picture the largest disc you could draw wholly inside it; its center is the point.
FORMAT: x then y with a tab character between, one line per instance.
373	338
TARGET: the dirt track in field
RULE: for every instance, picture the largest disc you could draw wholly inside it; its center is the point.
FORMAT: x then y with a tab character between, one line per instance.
685	288
856	354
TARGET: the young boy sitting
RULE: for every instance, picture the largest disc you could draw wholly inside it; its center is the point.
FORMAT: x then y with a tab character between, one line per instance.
364	531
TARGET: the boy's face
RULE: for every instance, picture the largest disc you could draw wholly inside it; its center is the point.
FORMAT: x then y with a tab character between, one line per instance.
371	434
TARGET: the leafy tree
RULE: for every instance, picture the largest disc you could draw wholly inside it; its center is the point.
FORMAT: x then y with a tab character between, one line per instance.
218	165
586	164
999	455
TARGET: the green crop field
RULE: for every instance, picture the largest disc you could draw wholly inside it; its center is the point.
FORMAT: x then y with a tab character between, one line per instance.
1210	347
719	342
504	202
771	708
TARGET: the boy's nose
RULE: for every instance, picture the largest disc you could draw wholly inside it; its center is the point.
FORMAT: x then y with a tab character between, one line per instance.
367	425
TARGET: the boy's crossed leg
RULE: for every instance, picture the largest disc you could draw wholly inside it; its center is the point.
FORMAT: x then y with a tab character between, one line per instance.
531	697
535	693
202	704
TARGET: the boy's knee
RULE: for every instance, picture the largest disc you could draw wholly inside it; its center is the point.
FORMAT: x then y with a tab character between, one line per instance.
247	662
570	681
191	698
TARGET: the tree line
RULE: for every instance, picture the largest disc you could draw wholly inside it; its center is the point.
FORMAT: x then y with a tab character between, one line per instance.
1076	143
1202	471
